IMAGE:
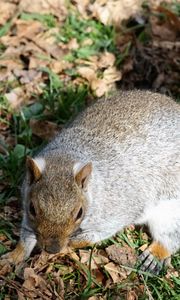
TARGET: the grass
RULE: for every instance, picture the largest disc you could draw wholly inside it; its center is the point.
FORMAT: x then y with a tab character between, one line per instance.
63	103
102	37
47	20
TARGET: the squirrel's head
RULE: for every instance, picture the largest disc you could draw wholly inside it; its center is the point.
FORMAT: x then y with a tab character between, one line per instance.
55	199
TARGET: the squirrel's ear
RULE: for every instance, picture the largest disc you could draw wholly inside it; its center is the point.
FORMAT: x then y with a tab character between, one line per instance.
82	173
34	168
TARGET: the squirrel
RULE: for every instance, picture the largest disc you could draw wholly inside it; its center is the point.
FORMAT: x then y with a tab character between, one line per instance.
117	163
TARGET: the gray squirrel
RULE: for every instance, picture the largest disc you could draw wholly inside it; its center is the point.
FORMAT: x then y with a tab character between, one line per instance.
116	164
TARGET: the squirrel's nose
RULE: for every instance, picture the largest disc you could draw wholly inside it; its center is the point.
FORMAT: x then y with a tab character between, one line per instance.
53	248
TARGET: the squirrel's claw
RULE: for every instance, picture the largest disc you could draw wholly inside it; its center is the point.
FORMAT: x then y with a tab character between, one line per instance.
154	258
149	263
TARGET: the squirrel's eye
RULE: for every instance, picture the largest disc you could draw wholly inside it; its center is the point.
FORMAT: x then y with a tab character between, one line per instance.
79	215
32	209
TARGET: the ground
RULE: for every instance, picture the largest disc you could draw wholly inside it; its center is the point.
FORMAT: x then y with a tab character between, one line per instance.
56	57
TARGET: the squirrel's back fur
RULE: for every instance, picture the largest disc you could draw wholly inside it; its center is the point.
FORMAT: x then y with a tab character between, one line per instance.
129	144
132	140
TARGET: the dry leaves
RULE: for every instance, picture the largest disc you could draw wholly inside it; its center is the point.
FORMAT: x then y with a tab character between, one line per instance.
125	255
109	73
114	12
54	7
7	11
44	129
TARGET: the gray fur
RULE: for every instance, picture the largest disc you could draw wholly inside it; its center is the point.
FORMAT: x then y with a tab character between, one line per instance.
133	142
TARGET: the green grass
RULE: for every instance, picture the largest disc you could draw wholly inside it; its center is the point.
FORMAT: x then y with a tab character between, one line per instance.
102	37
5	28
48	20
63	102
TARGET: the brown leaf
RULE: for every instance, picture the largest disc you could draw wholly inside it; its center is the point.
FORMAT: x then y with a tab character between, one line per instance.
64	270
44	129
28	29
96	298
5	267
87	73
82	6
73	44
86	42
143	247
21	296
99	276
163	32
58	286
16	98
55	7
111	75
11	64
113	12
131	295
58	66
99	87
116	273
107	59
47	41
26	76
122	255
35	283
6	11
98	259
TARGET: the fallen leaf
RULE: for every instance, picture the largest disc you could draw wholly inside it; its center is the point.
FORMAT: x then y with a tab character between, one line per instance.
115	272
97	259
55	7
28	29
58	66
99	276
35	283
16	98
162	31
111	74
107	59
6	12
11	64
113	12
44	129
5	267
58	286
73	44
26	76
47	41
87	73
82	6
143	247
86	42
131	295
99	87
21	296
122	255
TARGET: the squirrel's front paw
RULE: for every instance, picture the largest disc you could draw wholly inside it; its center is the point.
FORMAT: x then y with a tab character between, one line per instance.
154	258
79	244
14	257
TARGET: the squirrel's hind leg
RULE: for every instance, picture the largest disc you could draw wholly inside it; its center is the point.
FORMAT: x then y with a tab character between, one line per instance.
163	220
154	258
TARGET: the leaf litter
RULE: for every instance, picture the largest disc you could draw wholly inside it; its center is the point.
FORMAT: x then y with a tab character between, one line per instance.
32	41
